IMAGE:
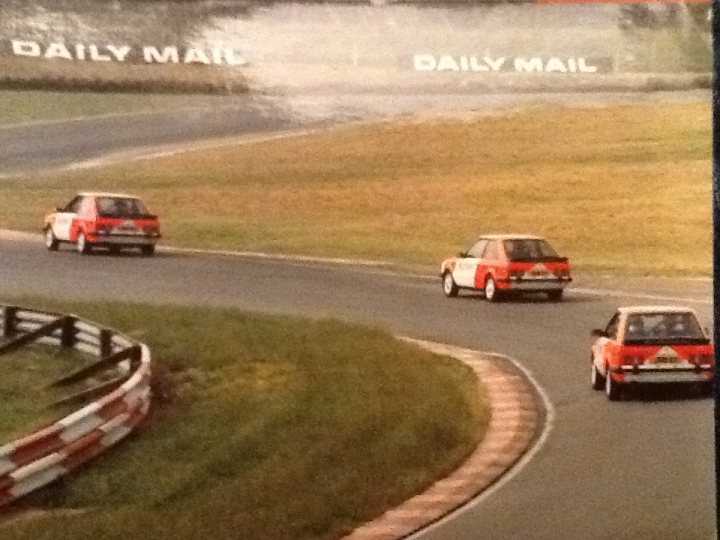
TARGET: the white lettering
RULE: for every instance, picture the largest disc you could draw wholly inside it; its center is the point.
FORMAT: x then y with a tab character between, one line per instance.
195	55
584	68
169	54
58	50
555	64
233	60
80	51
95	55
533	64
447	63
25	48
424	62
497	64
572	65
120	53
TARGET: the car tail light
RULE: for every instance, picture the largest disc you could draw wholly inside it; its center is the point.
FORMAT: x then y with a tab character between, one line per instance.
703	360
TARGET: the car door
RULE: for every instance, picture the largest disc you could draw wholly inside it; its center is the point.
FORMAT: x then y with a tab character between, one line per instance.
466	266
64	219
488	261
600	346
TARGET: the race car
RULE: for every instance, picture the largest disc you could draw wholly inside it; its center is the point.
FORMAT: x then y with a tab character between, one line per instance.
109	220
651	344
500	264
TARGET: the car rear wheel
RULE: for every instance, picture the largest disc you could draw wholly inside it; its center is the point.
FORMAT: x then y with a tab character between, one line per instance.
51	243
555	296
82	244
612	388
491	292
596	380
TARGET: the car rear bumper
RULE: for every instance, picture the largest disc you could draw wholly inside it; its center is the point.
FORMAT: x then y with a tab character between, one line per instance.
533	285
123	240
665	375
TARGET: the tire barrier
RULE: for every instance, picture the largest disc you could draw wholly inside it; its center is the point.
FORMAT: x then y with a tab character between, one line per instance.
120	402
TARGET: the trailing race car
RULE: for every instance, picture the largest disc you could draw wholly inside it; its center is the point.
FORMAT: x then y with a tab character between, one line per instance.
507	263
108	220
651	344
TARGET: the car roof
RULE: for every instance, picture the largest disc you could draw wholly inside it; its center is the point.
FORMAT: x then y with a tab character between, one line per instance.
107	194
631	310
510	237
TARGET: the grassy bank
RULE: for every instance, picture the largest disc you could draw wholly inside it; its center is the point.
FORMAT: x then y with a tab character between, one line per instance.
618	189
26	400
266	427
25	106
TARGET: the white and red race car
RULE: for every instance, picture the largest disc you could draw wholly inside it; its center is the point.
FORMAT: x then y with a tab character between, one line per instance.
109	220
651	344
500	264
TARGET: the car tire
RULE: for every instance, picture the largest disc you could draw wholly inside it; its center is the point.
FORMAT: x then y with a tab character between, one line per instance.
51	243
491	292
596	379
612	389
555	296
114	250
148	251
450	288
82	244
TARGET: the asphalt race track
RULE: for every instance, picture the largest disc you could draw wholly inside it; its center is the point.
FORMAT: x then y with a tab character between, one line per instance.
639	468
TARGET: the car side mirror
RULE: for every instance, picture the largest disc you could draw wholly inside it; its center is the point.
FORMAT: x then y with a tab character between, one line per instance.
596	333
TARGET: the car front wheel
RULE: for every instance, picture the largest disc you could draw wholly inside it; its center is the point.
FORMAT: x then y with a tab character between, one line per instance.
450	288
51	243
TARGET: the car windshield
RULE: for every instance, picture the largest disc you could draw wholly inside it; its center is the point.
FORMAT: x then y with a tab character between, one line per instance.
120	207
529	250
680	327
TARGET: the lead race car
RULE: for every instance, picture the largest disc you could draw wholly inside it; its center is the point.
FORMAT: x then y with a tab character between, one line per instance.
109	220
501	264
651	344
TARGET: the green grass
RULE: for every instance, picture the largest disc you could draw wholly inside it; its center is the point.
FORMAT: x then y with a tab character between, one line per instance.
24	375
29	106
266	427
621	189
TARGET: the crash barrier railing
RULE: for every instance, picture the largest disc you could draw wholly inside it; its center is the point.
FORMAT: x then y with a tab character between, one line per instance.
119	401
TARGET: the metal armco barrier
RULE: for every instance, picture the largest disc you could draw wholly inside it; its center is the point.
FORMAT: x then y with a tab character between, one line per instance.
37	459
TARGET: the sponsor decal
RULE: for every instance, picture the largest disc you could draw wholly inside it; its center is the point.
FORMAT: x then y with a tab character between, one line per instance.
666	355
538	271
123	53
517	64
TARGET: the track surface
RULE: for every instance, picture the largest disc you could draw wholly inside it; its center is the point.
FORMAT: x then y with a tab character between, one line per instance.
636	469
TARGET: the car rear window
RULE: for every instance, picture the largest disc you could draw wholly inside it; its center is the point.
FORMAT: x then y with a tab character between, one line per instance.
120	207
663	328
529	250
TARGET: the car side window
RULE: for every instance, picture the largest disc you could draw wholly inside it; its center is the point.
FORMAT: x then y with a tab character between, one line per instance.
477	249
612	328
73	206
87	206
492	251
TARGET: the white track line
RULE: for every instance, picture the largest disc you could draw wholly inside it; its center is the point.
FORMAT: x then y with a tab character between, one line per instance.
382	266
515	469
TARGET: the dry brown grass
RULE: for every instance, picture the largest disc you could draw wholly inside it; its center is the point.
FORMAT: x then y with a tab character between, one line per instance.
623	188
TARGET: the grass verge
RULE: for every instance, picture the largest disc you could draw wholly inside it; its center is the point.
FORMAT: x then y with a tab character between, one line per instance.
24	375
29	106
266	427
622	189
